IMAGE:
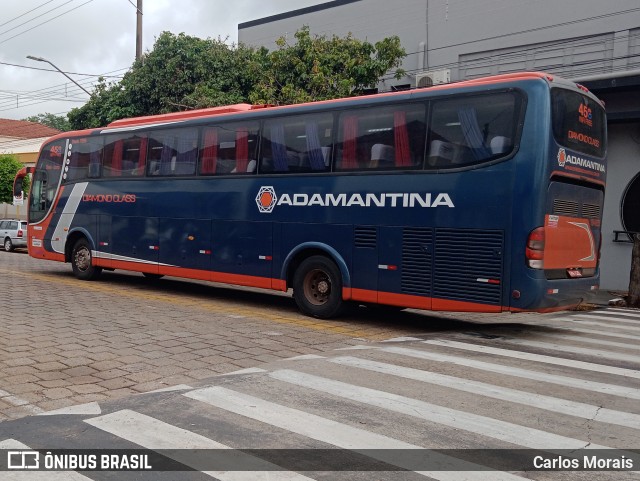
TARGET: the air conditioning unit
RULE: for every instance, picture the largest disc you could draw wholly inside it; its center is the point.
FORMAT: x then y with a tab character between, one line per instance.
434	77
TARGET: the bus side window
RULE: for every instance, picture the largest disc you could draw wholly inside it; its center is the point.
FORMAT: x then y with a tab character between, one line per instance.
84	161
384	138
297	144
229	149
471	130
173	152
124	156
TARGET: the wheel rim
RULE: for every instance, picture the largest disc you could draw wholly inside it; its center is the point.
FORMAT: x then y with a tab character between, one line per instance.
7	245
317	287
82	258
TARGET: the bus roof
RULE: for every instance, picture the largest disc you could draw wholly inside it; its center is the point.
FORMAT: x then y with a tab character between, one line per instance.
188	114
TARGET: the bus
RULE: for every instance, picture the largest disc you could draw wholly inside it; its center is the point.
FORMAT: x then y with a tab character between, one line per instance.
484	195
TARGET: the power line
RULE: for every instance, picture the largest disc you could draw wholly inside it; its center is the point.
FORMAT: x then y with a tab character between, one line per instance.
58	89
26	13
70	73
35	18
47	21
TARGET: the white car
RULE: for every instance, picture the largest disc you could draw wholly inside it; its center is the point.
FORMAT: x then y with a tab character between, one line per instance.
13	233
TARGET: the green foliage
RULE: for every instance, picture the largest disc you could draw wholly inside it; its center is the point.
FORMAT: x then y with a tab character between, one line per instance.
51	120
9	166
107	103
184	72
321	68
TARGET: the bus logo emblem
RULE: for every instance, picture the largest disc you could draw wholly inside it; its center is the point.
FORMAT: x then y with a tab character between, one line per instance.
266	199
562	157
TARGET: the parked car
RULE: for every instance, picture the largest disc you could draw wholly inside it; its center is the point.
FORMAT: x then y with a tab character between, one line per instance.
13	233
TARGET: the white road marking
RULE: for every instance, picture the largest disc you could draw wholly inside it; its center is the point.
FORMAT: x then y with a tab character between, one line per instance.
599	387
334	433
607	333
626	322
474	423
608	355
599	324
623	312
558	361
537	401
154	434
36	475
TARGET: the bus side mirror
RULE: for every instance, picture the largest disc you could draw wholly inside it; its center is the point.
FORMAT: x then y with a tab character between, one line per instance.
17	187
19	180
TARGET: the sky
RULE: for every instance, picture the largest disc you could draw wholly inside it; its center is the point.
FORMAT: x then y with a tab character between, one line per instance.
86	38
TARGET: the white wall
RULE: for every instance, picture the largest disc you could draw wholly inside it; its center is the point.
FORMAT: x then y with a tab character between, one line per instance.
624	164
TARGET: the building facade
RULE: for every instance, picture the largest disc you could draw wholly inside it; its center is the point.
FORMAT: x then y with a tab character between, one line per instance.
593	42
23	140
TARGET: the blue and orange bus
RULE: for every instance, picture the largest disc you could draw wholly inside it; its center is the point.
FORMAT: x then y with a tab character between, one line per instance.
484	195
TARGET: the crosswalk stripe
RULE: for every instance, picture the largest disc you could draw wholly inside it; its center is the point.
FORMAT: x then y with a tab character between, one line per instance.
538	401
607	333
603	388
154	434
610	319
36	475
597	324
558	361
333	432
482	425
589	340
608	355
622	312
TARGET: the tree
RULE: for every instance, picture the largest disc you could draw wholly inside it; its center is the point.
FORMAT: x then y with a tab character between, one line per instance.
634	282
321	68
9	167
180	73
184	72
51	120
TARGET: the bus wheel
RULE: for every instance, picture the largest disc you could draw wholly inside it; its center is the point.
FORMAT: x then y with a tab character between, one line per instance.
317	288
82	261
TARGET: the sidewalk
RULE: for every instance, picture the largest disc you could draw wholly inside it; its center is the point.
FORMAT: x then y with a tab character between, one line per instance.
602	297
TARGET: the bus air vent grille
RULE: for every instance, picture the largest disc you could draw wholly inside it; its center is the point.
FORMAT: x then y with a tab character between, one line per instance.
591	211
417	258
365	237
469	265
566	208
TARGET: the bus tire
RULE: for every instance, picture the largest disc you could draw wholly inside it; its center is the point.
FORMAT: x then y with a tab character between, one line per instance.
317	288
82	261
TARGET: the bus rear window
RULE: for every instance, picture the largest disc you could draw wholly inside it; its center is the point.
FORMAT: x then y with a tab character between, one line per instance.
578	122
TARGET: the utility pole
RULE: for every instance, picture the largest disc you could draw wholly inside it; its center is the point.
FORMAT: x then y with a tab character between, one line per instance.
139	31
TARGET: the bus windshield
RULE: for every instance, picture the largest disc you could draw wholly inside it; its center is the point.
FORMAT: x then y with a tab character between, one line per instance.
578	122
45	180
